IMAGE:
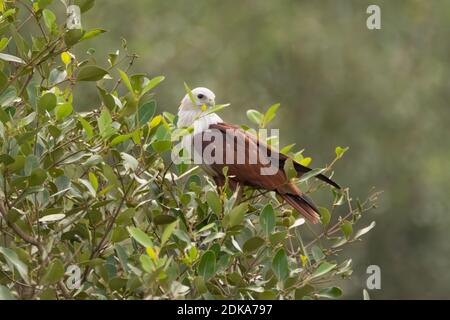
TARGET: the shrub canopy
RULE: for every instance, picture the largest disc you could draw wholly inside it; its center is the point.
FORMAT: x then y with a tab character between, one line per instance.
91	207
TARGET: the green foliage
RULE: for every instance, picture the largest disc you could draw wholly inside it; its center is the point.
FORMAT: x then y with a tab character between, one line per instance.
93	190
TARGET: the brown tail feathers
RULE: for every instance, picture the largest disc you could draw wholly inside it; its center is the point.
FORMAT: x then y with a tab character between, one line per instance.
303	204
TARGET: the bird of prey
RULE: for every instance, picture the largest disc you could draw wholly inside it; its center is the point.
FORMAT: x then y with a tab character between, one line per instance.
193	112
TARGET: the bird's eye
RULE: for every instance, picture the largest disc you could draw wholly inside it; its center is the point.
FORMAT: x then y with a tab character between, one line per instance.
200	96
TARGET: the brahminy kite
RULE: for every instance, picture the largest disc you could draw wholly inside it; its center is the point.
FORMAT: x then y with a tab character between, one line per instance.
255	155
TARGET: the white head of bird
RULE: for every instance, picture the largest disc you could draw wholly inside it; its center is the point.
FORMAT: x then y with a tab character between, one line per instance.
201	96
192	107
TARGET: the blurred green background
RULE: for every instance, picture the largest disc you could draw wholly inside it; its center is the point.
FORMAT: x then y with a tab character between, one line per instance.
385	93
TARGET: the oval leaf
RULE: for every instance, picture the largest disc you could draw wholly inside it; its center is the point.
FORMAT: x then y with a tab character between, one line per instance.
11	58
253	244
214	202
54	272
91	73
52	217
280	265
140	236
267	219
163	219
323	269
207	265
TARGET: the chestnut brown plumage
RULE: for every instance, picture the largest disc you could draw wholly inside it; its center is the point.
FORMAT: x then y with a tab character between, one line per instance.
249	174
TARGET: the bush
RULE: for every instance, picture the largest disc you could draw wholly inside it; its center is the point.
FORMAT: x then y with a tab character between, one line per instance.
91	208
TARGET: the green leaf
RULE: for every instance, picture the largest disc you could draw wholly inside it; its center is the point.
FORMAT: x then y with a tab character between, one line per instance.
289	169
13	260
214	202
140	236
92	33
236	215
189	92
72	36
162	145
267	219
8	12
119	234
6	99
146	112
236	244
131	105
340	151
87	127
126	81
270	114
52	218
304	291
11	58
93	180
323	269
44	3
47	102
155	121
317	253
325	216
49	19
215	109
346	228
85	5
280	265
5	294
287	148
207	265
331	293
26	120
123	257
339	198
109	100
63	110
31	163
121	138
105	124
57	75
3	81
146	262
152	83
168	232
363	231
163	219
3	43
298	222
182	235
18	164
255	116
37	177
91	73
253	244
6	159
54	273
305	161
339	242
129	162
277	237
136	135
312	173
